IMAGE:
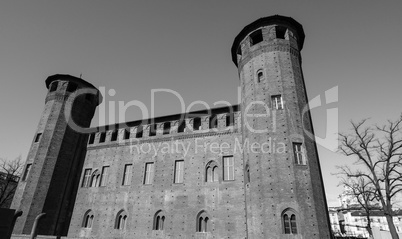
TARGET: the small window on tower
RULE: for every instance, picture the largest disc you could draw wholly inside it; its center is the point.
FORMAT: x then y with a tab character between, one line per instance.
238	52
299	154
71	87
256	37
38	136
247	174
277	102
27	170
53	86
260	76
280	32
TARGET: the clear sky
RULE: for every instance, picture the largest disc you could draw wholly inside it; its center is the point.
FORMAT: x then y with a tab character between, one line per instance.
135	46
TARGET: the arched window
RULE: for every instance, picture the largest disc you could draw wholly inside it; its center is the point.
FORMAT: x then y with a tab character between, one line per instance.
121	220
159	220
289	221
88	219
211	172
202	222
260	76
95	178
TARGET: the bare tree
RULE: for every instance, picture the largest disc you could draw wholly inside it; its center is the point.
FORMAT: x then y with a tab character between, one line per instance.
364	192
10	172
379	150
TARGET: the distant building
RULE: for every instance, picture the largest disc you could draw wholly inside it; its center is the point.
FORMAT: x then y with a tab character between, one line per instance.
350	219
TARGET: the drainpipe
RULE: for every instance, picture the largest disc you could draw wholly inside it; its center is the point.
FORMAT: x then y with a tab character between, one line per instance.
34	231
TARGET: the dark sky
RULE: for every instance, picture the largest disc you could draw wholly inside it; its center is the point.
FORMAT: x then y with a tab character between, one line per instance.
136	46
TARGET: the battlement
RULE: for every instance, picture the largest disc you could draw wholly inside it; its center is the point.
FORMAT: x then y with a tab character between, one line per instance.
272	30
197	123
63	85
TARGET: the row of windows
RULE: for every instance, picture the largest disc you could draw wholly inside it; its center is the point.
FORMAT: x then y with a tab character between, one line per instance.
71	87
289	222
96	178
99	179
277	104
257	36
120	223
213	123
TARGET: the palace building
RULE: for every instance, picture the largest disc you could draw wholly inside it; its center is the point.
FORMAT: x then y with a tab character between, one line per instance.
214	174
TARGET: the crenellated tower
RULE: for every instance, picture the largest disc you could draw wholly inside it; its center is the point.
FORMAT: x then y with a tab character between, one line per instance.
50	179
284	190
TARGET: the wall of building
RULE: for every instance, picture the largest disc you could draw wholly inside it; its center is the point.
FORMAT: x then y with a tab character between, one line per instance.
223	201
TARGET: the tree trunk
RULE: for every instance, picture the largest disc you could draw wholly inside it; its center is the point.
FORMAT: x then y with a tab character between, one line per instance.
369	230
391	226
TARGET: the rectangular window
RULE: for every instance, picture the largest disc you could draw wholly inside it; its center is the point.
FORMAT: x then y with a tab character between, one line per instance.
149	173
197	123
127	174
115	133
152	130
102	137
166	128
37	138
179	171
229	119
277	102
27	170
228	168
182	126
256	37
298	154
53	86
87	178
213	121
104	176
139	132
280	32
91	138
126	133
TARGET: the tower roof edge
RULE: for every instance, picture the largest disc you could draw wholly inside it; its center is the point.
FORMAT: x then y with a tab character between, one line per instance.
80	81
275	19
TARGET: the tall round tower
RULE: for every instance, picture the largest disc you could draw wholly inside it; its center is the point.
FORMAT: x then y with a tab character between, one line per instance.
50	179
284	190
